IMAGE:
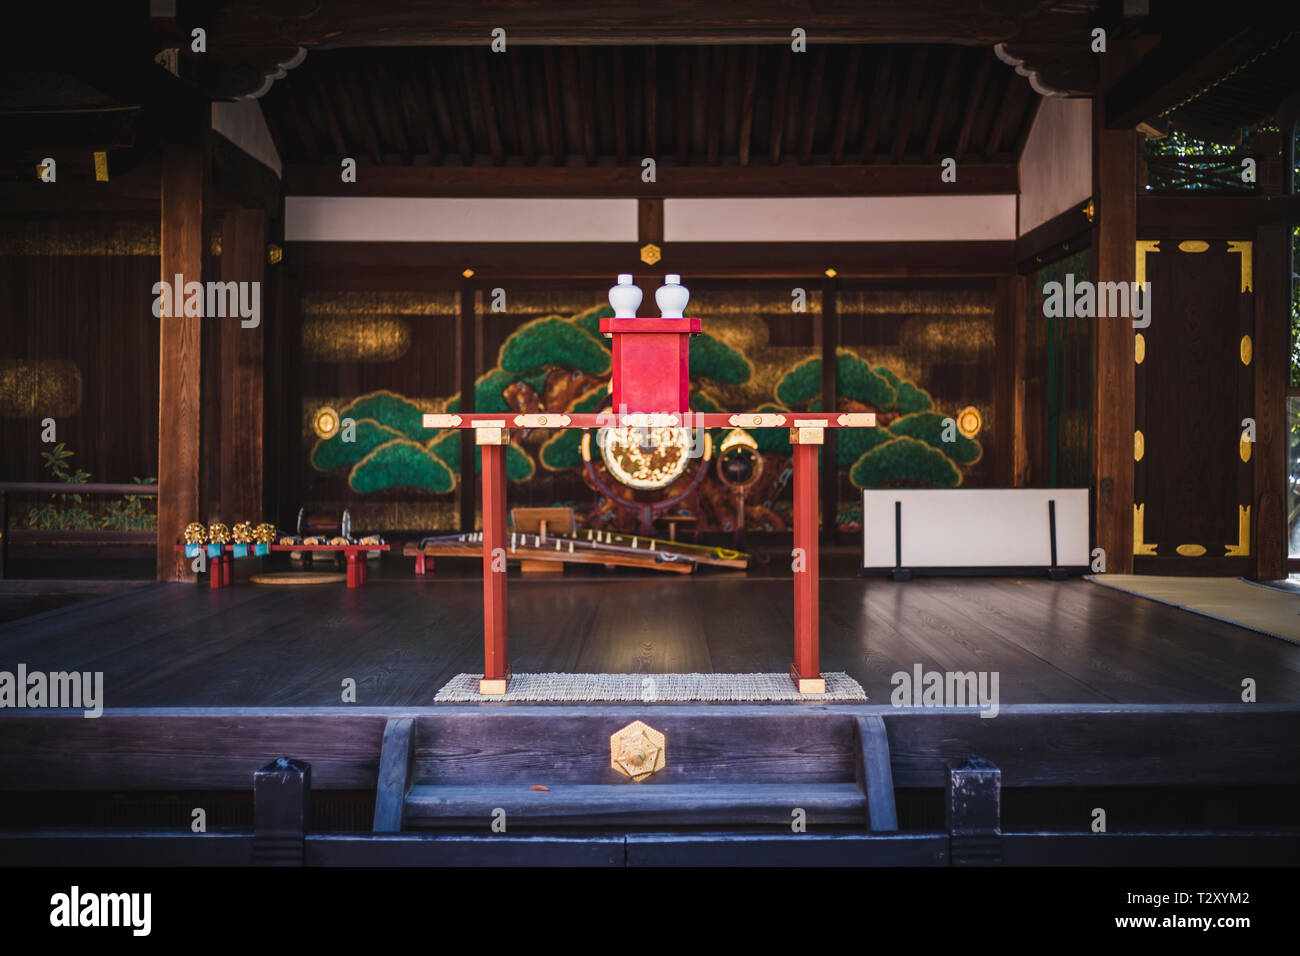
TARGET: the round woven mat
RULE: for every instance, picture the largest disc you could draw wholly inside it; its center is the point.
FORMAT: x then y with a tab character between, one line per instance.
298	578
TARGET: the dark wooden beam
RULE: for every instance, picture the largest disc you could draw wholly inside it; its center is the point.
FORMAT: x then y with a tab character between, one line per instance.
586	103
459	23
1061	235
555	108
1272	358
683	107
1113	237
830	342
907	106
649	221
444	91
466	330
1224	216
1009	384
352	90
185	200
812	98
487	104
424	113
875	112
523	114
713	104
619	92
615	181
331	117
1190	57
847	90
1011	91
243	259
389	107
778	107
972	106
747	106
443	261
650	79
940	114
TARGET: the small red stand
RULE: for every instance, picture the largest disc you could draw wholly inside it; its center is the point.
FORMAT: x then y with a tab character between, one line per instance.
651	376
651	363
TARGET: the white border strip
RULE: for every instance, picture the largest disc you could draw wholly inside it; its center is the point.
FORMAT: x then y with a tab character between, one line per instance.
384	219
841	219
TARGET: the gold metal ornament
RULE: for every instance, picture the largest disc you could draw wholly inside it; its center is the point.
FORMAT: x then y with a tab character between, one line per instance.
638	750
273	254
218	533
195	533
242	533
650	254
970	421
264	533
325	423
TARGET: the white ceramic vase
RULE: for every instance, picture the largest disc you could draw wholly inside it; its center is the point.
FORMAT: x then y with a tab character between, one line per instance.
625	297
671	297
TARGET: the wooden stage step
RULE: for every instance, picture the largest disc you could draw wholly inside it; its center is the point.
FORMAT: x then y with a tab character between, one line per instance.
632	804
748	765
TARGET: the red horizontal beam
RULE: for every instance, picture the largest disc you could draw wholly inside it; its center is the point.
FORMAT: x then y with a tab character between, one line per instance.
686	420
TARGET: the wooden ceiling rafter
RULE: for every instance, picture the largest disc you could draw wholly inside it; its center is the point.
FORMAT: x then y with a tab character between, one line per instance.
972	105
942	105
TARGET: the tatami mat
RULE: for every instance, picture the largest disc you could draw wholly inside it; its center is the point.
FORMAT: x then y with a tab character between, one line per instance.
650	688
1234	600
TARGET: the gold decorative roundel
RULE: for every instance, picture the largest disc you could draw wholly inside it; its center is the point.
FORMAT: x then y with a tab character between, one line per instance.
969	421
325	423
645	457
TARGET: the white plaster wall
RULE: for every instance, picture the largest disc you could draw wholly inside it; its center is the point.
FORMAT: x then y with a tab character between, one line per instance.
1056	165
840	219
384	219
243	124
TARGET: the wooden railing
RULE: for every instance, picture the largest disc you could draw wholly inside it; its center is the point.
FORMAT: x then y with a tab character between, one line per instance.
60	488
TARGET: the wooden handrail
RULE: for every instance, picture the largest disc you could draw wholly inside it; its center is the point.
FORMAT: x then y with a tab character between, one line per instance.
72	488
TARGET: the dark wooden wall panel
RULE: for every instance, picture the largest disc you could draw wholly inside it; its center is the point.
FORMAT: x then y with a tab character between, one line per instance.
1194	392
94	312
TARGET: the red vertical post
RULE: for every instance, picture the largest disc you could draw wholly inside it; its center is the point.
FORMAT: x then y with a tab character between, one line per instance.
496	666
806	670
354	575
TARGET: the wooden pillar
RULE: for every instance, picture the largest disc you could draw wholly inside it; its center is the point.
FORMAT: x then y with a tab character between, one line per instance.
494	443
1009	388
468	373
243	258
830	477
806	669
1114	243
1272	359
185	185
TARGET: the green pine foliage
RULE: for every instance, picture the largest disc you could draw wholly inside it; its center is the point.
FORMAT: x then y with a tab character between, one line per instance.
401	463
929	427
391	410
553	341
856	380
852	443
714	359
801	383
334	452
589	322
905	461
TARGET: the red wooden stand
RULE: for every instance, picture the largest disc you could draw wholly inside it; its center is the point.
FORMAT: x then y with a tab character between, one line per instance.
651	383
221	569
496	665
492	435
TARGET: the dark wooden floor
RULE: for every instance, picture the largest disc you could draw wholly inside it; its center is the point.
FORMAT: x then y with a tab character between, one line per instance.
401	639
